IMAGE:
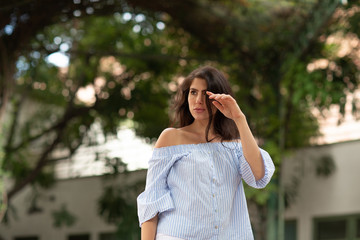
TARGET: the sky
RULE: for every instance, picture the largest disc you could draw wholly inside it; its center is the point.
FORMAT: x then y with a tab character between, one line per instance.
132	150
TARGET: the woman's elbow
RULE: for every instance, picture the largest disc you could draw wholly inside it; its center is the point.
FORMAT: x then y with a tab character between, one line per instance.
259	174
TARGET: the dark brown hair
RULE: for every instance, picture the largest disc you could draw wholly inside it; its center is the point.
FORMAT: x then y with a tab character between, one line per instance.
216	83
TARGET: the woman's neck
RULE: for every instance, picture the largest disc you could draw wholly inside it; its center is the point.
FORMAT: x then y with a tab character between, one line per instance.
200	128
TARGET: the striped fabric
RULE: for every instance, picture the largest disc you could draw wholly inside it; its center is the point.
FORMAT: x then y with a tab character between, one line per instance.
160	236
197	191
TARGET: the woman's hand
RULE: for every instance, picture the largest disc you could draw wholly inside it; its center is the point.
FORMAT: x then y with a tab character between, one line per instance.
227	105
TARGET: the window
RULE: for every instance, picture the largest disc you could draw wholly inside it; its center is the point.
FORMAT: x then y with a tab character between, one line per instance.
334	229
358	228
108	236
79	237
290	230
337	228
26	238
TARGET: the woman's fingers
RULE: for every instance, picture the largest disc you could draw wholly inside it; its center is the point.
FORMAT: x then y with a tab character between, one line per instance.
225	104
222	99
218	106
216	96
211	95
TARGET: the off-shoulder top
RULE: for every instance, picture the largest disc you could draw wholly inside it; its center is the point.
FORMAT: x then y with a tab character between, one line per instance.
197	191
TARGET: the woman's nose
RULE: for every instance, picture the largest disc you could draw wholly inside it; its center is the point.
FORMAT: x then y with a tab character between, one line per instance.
199	98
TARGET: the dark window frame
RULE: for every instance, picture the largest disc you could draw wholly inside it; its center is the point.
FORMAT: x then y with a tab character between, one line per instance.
288	222
101	235
73	236
30	237
352	222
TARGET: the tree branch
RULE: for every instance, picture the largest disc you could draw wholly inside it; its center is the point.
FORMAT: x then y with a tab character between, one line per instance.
39	166
74	112
42	161
5	203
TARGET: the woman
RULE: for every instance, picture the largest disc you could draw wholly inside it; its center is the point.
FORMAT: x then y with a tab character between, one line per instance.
194	182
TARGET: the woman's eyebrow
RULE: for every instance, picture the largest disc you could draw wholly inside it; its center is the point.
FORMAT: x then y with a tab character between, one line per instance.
194	89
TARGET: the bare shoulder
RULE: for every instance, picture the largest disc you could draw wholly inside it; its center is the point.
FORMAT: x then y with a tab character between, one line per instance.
168	137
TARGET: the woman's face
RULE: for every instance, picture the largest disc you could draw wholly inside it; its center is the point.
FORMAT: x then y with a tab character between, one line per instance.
197	99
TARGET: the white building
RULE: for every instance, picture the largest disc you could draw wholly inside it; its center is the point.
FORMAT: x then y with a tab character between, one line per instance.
80	185
325	207
79	196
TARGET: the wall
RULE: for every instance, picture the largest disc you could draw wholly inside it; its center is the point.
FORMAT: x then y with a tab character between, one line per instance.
319	196
80	196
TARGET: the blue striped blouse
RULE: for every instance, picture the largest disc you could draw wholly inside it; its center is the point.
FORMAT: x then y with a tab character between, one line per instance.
197	191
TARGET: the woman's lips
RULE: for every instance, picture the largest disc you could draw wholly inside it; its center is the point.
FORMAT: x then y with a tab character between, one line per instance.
199	110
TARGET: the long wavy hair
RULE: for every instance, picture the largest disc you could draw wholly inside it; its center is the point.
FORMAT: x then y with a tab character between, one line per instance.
216	83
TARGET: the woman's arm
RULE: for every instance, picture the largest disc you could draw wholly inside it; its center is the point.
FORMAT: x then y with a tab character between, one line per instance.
148	229
229	107
250	148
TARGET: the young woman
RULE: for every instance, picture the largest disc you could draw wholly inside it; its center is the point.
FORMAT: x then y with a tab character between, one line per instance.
194	185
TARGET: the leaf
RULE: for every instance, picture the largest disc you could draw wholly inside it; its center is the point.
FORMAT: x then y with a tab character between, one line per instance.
63	218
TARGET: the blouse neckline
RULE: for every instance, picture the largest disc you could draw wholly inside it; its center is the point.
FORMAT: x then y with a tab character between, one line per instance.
197	144
186	148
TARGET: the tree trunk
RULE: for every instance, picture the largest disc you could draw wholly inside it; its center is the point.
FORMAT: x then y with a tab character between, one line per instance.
7	72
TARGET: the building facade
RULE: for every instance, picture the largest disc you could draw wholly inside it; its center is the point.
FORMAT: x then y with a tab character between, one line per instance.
321	183
324	181
79	197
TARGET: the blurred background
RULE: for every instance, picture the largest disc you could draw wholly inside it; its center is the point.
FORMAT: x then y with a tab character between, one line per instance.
86	86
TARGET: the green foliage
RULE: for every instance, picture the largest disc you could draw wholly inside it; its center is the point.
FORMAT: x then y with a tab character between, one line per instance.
128	227
49	105
3	201
46	179
116	165
112	205
116	206
63	218
152	103
10	210
325	166
260	196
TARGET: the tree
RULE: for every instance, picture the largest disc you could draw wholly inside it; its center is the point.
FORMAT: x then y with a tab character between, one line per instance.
253	43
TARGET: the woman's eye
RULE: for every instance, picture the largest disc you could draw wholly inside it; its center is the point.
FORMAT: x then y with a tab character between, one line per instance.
193	92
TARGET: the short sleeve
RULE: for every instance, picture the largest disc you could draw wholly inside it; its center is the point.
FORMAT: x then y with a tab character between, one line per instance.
247	174
156	198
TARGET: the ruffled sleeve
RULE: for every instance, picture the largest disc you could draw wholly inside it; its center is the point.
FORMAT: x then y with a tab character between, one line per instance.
157	198
247	173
